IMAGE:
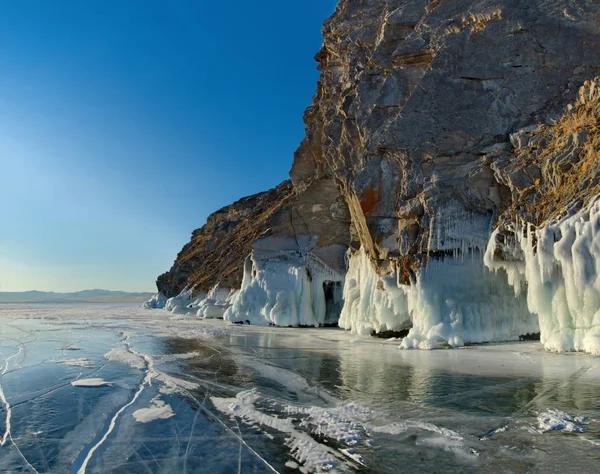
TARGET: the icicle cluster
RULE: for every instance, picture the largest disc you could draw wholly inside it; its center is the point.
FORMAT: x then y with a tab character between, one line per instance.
559	269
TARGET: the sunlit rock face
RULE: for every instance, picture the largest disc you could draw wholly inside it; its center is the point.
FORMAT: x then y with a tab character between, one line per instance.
417	98
419	106
427	131
311	220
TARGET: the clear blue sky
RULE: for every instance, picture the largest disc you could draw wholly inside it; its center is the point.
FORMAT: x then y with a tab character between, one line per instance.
123	124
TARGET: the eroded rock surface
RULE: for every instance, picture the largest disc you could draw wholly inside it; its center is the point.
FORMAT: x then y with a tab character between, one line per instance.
432	122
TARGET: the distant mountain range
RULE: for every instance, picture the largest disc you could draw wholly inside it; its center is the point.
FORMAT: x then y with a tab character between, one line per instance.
85	296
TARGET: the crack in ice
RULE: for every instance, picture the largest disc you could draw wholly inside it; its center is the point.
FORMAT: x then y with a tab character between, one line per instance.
147	381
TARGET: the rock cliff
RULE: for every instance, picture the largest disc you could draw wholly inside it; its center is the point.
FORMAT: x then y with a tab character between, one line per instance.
433	122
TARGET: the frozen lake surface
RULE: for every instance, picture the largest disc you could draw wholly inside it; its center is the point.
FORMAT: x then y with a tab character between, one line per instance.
119	389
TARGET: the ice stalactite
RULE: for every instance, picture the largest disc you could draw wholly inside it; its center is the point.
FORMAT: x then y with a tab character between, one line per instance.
558	266
286	287
372	303
457	300
453	299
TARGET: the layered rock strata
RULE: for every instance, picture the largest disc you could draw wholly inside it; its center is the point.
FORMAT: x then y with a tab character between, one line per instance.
431	124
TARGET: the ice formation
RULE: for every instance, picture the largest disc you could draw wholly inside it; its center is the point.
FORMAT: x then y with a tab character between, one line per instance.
552	420
179	304
453	300
457	300
372	303
158	301
286	287
211	305
214	304
558	266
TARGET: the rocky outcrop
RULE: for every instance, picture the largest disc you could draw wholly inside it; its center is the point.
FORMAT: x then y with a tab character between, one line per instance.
217	251
432	122
296	221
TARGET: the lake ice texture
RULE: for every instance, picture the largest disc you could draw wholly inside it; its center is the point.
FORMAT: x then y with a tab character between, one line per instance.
115	388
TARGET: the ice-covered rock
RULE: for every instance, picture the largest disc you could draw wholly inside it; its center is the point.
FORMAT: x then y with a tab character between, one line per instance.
558	267
453	300
285	287
158	301
431	121
180	304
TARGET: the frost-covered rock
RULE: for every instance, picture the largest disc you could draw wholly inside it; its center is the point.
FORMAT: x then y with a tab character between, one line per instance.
158	301
559	270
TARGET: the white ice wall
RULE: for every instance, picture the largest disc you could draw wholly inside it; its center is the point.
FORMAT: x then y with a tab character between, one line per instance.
284	288
454	300
457	300
372	303
559	269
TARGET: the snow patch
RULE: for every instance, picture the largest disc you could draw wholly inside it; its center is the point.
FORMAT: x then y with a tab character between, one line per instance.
158	410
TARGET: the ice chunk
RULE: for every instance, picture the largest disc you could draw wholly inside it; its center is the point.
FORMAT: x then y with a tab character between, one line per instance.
95	382
552	420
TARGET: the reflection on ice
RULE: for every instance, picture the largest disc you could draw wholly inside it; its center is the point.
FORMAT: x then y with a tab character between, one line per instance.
192	396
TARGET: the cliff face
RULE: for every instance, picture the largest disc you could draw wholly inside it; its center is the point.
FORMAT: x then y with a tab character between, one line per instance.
415	98
433	121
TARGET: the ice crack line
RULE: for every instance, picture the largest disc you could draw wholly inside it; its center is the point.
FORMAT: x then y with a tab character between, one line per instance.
3	399
147	381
